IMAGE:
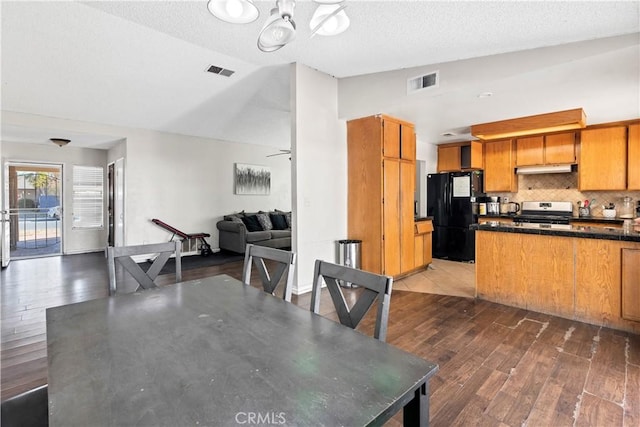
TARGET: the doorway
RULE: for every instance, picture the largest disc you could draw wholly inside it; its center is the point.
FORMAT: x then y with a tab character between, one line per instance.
33	204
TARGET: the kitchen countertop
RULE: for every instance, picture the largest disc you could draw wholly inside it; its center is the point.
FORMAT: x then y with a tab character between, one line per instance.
562	230
600	219
423	218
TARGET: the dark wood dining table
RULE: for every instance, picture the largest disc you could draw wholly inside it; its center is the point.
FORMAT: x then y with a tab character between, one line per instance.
216	352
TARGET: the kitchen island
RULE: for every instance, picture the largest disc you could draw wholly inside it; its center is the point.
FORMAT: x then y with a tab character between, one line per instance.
591	274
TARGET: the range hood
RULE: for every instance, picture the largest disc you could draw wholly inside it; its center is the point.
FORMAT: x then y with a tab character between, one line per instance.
533	170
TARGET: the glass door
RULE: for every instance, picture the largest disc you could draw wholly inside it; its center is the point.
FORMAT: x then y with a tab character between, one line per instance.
34	210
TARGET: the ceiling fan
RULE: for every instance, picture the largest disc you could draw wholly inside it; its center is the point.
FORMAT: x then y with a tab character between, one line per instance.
281	153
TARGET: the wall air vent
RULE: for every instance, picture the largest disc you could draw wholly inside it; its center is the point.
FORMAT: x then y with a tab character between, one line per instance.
425	81
219	70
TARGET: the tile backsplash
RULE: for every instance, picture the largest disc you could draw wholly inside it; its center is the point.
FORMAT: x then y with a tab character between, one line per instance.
563	187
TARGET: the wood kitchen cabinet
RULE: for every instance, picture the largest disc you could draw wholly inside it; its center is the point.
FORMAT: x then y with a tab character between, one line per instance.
633	157
381	183
459	156
448	158
602	164
423	240
590	280
554	149
631	284
499	166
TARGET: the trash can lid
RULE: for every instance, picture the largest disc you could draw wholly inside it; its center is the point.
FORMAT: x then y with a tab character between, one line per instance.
349	241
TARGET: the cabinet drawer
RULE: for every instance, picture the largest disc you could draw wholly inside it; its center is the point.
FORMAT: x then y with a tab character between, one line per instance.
424	227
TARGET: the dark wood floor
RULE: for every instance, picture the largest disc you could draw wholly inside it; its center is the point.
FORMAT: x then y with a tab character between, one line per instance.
499	366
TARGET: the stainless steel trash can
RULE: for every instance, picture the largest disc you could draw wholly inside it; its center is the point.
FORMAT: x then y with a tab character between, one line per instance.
349	253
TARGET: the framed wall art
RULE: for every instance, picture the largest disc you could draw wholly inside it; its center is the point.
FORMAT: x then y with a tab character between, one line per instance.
252	179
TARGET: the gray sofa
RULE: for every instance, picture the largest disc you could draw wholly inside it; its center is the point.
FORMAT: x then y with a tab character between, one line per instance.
273	230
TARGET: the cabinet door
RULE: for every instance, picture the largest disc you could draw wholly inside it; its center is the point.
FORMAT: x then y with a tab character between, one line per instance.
603	159
499	174
560	148
408	142
406	189
631	284
633	158
476	155
448	159
418	250
391	218
530	151
391	131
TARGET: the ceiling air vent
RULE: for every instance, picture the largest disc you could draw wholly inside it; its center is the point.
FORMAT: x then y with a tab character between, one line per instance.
425	81
219	70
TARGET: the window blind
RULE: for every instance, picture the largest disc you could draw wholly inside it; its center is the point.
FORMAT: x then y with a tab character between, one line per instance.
88	192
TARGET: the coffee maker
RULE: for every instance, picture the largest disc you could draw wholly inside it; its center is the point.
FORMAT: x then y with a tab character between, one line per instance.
493	206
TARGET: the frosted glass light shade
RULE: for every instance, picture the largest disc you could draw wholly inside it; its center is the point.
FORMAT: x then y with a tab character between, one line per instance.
329	20
277	32
234	11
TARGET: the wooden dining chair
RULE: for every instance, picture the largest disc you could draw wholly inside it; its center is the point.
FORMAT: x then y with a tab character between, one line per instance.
123	255
376	288
30	408
284	261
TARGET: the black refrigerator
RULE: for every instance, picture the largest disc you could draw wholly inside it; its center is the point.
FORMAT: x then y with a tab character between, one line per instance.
452	202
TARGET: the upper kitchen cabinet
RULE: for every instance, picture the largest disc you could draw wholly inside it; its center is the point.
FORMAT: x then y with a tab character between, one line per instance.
560	148
399	138
602	164
554	149
499	166
633	157
459	156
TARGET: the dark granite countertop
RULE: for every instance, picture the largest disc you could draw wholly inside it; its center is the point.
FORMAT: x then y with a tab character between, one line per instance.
586	232
599	219
423	218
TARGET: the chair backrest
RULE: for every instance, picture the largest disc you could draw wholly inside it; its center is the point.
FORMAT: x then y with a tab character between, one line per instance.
284	263
123	255
376	288
30	408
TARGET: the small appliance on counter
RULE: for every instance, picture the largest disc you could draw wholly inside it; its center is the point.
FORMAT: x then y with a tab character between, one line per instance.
509	208
493	206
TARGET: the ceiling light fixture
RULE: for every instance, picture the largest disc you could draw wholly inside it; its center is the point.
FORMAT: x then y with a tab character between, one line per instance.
329	19
60	142
531	125
234	11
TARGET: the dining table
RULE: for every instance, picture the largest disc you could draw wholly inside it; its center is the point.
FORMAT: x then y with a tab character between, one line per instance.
216	352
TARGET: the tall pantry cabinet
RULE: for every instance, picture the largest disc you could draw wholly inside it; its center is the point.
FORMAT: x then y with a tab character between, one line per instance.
381	162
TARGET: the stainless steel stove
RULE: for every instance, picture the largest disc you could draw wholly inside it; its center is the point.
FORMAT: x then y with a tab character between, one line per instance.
545	213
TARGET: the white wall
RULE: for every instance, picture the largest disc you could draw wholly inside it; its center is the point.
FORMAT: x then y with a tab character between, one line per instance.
185	181
74	240
319	183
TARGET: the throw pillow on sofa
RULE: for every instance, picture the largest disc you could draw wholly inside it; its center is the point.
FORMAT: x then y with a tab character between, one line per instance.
287	216
252	223
279	222
265	221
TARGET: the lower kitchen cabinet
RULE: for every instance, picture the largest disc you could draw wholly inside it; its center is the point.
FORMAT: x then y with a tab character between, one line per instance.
631	284
591	280
423	244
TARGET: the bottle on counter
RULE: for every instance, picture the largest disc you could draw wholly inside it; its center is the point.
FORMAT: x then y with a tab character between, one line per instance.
626	208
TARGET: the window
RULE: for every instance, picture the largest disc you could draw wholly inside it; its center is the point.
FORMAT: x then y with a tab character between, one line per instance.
88	191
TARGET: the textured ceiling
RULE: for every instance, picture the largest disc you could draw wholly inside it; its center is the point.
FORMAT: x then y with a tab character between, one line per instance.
141	63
